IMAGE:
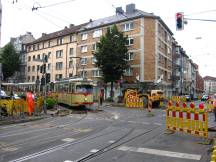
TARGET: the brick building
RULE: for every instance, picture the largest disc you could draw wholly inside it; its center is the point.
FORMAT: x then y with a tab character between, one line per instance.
149	44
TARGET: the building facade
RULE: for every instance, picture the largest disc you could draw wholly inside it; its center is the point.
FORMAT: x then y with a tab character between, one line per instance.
199	82
71	50
209	85
20	45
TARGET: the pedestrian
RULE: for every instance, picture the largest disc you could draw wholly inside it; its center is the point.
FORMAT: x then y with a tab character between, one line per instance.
214	105
30	102
101	97
149	103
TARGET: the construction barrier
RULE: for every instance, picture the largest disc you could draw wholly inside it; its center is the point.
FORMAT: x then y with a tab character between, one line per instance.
209	105
188	120
213	157
133	100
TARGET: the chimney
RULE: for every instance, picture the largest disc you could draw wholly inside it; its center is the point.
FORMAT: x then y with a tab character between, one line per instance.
130	8
119	11
65	27
90	20
71	25
43	34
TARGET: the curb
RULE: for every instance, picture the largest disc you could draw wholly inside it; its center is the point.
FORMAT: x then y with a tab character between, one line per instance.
20	121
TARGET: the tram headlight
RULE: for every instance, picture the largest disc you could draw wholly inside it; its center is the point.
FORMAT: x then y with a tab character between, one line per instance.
85	99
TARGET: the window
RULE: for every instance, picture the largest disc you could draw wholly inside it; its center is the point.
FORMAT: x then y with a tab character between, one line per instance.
49	54
84	36
70	64
34	57
130	56
84	49
130	41
128	26
49	67
94	60
96	73
29	68
168	50
28	78
38	67
128	72
33	47
38	46
72	38
33	68
58	76
38	56
94	47
84	73
59	53
49	43
43	55
43	45
33	78
60	41
83	61
97	33
29	58
59	65
71	51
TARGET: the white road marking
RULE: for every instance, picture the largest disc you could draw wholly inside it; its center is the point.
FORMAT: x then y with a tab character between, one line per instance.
146	123
68	161
161	152
131	121
68	139
94	150
157	124
112	141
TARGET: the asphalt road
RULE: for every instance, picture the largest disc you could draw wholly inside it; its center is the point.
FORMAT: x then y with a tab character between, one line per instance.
114	134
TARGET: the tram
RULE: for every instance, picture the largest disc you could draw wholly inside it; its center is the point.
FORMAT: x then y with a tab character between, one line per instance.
74	92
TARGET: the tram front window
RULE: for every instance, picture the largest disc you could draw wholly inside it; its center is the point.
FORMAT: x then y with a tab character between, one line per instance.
84	89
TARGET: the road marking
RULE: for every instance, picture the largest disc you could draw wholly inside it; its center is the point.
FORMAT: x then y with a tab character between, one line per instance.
146	123
158	124
112	141
68	161
161	153
68	139
94	150
131	121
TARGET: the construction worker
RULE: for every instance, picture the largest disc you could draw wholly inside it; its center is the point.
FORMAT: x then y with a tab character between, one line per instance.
30	102
214	105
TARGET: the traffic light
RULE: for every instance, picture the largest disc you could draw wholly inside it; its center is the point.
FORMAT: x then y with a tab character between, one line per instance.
47	77
179	21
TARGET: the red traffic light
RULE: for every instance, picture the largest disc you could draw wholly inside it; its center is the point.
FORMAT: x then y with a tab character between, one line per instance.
179	21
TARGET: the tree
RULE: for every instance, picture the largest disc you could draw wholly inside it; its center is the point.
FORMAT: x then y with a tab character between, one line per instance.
10	60
111	55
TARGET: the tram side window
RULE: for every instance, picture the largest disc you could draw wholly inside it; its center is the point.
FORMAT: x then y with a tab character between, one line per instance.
71	87
84	89
63	88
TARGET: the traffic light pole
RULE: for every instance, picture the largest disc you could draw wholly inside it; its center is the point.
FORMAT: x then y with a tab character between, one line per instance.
44	75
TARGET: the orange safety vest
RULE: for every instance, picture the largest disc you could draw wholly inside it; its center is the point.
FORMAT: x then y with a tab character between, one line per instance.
30	102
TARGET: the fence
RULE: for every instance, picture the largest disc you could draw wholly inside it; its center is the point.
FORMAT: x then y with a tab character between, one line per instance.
133	100
188	120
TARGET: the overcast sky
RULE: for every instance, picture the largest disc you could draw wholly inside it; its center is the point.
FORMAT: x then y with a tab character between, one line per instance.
198	37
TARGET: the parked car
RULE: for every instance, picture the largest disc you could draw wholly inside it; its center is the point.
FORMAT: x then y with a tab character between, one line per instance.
188	97
205	97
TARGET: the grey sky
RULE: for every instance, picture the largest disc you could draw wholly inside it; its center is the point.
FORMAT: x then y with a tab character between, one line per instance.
18	18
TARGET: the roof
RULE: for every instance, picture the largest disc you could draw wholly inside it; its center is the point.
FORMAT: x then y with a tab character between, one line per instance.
122	17
209	78
59	33
99	23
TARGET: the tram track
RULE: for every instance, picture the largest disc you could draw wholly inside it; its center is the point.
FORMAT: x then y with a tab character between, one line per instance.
23	132
114	145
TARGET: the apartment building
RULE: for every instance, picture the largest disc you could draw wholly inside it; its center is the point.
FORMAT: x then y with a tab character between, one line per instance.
149	44
199	81
19	44
60	47
209	85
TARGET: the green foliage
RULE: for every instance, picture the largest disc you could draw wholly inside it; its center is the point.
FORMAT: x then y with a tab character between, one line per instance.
50	102
10	60
111	54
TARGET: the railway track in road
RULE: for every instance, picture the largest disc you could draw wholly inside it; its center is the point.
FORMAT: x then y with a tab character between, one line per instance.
115	144
68	144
